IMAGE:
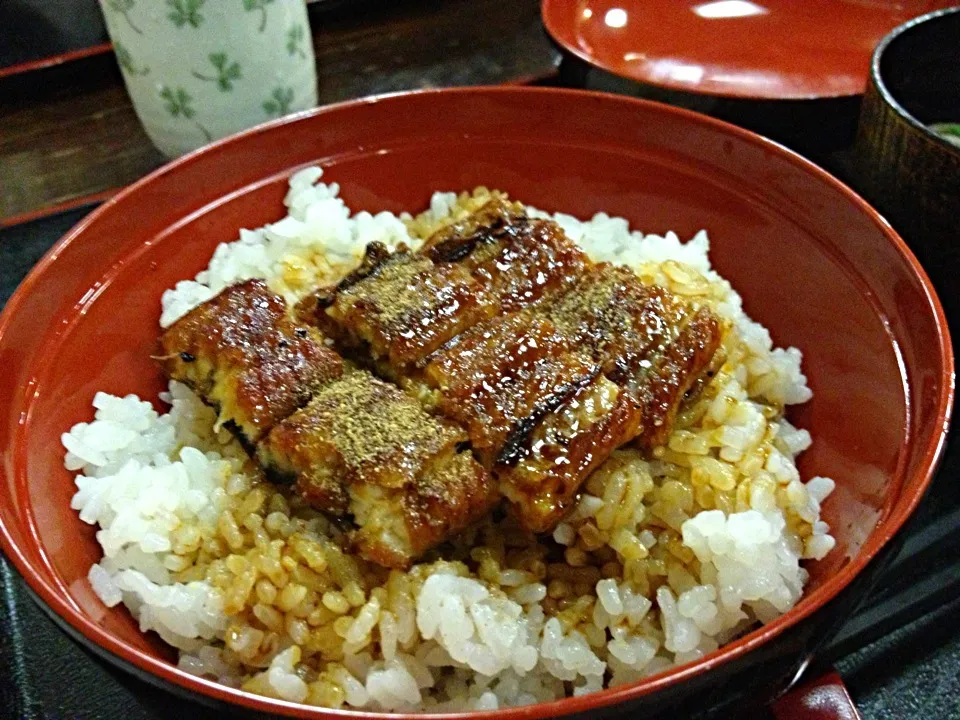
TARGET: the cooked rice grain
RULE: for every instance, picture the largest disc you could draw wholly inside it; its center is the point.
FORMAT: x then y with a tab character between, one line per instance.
667	555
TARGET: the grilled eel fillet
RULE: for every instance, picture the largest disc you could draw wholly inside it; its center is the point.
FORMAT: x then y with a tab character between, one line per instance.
364	448
354	444
398	308
539	412
549	362
241	354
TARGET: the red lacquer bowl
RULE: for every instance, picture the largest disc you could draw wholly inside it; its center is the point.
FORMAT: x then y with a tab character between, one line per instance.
813	262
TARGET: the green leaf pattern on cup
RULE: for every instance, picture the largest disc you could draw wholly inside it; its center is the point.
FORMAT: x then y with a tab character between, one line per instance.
226	72
178	104
279	102
295	41
185	12
261	5
177	101
199	70
126	62
123	8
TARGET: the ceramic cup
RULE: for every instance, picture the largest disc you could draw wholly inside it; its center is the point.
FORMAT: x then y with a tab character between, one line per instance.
199	70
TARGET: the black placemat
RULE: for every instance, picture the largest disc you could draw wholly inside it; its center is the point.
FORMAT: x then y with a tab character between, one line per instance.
900	655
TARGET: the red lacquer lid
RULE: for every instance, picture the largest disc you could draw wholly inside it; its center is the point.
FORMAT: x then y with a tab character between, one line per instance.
760	49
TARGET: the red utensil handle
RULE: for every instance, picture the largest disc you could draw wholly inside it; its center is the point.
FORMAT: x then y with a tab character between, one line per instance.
824	698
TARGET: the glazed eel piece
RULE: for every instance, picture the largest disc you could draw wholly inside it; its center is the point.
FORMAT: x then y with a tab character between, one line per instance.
655	346
539	411
548	361
652	344
356	446
243	355
364	448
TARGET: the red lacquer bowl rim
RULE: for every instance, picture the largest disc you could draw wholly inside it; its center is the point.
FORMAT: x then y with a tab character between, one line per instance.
128	655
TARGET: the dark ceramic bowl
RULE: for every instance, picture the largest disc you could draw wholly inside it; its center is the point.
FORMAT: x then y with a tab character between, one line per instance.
813	261
909	172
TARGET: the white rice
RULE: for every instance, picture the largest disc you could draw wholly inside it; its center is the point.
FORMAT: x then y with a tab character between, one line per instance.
155	483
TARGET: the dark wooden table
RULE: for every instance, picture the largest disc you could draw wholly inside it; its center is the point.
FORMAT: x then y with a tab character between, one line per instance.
69	133
69	137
